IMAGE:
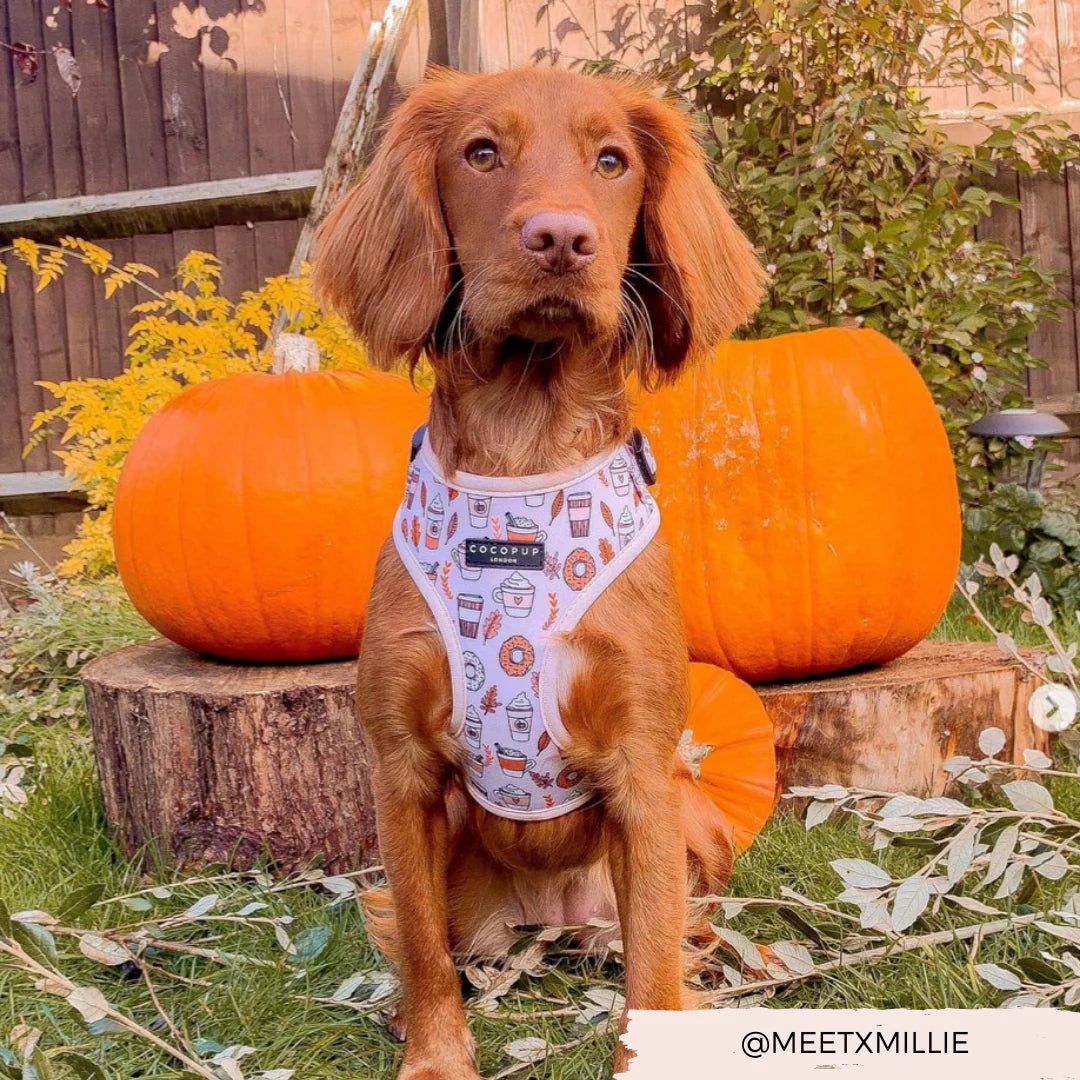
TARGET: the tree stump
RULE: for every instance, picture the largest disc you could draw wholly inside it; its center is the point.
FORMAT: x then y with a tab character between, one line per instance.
892	727
206	761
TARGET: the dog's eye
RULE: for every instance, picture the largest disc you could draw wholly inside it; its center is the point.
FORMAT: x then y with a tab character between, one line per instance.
482	155
610	164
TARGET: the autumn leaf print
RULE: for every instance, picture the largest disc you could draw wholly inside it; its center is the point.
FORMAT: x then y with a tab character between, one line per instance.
607	552
444	581
451	525
452	493
492	624
490	701
637	496
603	478
552	565
423	495
557	505
405	528
549	801
415	531
496	529
605	513
553	611
489	757
534	681
541	780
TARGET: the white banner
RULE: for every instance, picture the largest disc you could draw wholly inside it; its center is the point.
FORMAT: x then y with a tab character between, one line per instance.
875	1044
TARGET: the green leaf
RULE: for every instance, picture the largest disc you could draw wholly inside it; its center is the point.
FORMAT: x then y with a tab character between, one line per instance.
80	901
80	1065
36	940
310	943
1038	970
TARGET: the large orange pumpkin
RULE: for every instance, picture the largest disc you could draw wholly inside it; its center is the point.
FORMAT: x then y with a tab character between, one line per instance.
810	500
250	510
738	771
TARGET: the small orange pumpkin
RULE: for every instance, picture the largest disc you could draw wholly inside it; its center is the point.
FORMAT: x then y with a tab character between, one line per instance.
809	497
251	508
729	726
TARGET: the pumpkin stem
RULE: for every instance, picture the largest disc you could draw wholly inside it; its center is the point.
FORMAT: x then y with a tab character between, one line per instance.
294	352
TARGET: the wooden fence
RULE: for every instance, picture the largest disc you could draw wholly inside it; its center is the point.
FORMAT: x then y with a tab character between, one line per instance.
181	92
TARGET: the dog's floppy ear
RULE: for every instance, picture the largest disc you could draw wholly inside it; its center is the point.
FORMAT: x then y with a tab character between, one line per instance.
697	273
382	257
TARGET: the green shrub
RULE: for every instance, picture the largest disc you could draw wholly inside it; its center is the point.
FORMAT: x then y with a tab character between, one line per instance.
1042	529
864	211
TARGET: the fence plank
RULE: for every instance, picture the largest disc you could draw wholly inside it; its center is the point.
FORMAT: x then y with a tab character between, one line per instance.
349	22
183	97
494	36
138	42
1045	216
311	90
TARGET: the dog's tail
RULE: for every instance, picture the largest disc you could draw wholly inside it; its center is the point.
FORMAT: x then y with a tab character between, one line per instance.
710	852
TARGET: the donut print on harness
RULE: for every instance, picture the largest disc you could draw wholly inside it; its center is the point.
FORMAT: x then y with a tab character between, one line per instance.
516	657
579	569
474	670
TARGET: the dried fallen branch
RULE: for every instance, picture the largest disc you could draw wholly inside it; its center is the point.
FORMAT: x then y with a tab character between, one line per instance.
903	945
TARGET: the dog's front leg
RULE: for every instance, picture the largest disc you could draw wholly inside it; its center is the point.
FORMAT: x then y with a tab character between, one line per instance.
415	844
648	861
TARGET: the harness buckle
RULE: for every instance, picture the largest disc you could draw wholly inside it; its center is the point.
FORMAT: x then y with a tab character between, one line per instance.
644	456
417	442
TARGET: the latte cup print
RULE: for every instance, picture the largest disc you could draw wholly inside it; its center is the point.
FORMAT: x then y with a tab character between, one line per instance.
523	530
579	509
479	511
434	522
625	529
534	500
516	594
474	727
431	569
620	476
513	762
468	573
469	608
519	715
410	487
476	765
513	798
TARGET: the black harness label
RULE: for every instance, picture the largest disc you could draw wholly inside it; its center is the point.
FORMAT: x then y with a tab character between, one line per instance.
481	552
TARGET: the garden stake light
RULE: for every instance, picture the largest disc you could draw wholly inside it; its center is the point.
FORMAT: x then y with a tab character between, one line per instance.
1024	425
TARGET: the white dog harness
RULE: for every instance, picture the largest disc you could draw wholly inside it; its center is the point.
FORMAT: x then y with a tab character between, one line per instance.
507	564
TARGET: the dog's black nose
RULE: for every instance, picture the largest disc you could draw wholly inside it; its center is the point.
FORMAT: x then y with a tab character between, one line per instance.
560	241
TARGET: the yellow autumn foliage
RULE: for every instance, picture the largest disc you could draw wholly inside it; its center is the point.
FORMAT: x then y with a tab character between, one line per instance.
186	333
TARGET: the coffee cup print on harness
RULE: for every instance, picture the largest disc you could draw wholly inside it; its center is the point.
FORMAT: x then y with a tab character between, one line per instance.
479	510
516	594
468	573
513	797
519	715
474	727
410	486
434	522
513	762
625	527
523	530
620	476
579	509
469	609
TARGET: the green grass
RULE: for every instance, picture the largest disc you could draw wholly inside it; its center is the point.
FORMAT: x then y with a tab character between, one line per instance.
60	843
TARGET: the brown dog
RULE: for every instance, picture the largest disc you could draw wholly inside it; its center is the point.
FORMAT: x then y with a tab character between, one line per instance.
536	235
